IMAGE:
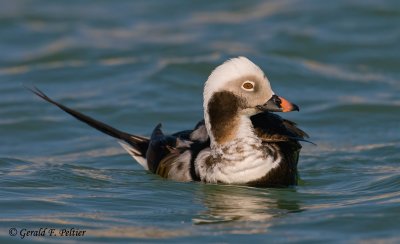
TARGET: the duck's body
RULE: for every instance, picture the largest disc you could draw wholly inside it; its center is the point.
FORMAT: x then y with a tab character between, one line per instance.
239	141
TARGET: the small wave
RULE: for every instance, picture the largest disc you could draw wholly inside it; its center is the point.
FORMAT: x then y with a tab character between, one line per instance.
251	13
373	110
344	74
368	147
44	174
21	69
139	232
75	156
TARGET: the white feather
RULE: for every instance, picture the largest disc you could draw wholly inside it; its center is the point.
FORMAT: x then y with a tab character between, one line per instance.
250	164
134	153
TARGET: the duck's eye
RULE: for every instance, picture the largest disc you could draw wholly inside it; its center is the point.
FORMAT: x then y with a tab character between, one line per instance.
248	86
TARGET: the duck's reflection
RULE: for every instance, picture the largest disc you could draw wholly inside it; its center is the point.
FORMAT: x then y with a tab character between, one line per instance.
245	209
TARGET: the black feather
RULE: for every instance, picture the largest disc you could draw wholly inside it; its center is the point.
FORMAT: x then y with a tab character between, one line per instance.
138	142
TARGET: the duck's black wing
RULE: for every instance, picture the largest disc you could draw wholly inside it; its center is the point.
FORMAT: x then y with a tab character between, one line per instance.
281	140
273	128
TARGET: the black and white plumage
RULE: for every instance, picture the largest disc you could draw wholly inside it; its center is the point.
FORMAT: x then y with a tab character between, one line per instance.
240	140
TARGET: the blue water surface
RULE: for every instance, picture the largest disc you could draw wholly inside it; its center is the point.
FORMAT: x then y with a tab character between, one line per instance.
133	64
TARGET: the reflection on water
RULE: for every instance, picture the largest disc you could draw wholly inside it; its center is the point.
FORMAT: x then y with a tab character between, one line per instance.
248	210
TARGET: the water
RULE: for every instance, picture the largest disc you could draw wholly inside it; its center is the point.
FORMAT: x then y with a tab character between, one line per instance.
134	64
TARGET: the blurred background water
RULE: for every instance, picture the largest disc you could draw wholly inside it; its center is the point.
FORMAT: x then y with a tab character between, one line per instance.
133	64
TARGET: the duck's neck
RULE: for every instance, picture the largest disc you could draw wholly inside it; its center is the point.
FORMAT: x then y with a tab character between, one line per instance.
228	129
243	143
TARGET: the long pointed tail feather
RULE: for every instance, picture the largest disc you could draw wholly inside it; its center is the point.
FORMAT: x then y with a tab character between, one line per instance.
138	144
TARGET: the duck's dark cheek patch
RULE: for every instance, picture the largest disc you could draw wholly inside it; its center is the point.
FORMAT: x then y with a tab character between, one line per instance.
222	110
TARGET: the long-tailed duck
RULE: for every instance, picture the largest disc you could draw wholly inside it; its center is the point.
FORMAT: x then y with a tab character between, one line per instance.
240	140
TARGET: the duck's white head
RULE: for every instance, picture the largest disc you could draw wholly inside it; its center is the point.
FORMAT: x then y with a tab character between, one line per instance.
237	89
